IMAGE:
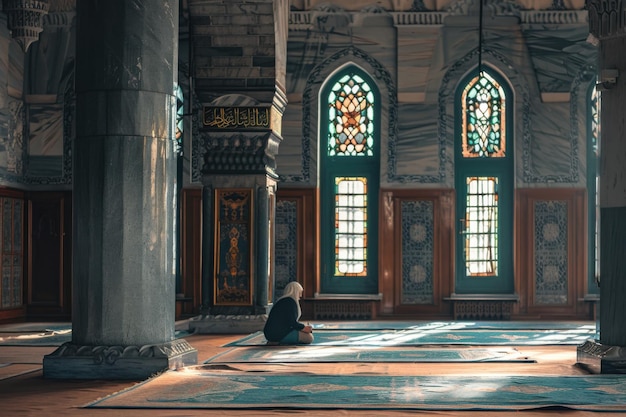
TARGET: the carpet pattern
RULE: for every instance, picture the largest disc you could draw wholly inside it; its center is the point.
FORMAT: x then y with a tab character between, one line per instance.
321	354
437	336
203	388
455	325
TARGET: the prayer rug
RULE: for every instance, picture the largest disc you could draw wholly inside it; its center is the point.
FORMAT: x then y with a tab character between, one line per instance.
456	325
199	388
10	370
416	337
35	327
322	354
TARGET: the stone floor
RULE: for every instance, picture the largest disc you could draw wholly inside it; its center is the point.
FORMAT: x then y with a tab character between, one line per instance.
24	391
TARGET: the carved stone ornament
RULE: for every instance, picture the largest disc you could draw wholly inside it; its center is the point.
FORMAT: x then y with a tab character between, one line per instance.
110	354
239	153
607	18
25	19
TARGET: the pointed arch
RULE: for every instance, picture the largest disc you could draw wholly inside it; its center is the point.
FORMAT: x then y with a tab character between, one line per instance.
349	180
519	106
484	182
484	115
310	105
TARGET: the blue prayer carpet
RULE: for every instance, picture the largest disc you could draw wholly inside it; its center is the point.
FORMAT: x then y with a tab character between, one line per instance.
457	325
437	336
208	389
328	354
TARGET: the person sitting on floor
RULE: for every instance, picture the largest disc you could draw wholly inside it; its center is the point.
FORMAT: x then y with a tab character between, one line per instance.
282	325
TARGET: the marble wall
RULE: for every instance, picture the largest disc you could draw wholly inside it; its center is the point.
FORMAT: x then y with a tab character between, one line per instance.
417	60
37	106
417	51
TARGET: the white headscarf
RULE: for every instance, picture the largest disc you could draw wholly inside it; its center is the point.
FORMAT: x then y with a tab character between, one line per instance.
293	290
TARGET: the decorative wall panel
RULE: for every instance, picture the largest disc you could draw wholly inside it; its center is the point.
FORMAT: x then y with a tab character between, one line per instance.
286	245
233	247
551	252
12	252
417	252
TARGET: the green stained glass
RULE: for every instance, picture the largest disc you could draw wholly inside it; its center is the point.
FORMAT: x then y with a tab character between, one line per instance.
350	117
595	120
484	114
180	120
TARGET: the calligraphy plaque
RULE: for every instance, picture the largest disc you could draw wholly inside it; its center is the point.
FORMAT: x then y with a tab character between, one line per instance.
236	118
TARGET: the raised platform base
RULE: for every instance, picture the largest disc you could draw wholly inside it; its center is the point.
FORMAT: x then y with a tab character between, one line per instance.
71	361
227	324
601	359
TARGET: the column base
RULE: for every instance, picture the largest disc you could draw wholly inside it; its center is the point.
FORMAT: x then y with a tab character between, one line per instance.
71	361
601	359
227	324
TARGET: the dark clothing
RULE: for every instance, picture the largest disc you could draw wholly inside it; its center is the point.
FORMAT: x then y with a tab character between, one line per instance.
282	319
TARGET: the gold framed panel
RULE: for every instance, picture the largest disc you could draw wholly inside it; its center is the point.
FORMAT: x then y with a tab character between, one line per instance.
234	243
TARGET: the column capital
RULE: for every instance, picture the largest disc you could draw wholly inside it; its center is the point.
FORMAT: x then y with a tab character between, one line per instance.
607	18
239	153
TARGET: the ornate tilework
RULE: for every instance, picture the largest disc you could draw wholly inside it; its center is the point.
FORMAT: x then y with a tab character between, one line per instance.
417	252
578	94
197	139
286	245
11	247
550	248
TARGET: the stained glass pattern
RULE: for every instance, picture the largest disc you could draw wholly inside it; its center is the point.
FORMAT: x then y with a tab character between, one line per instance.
595	120
484	117
180	123
351	117
481	227
350	226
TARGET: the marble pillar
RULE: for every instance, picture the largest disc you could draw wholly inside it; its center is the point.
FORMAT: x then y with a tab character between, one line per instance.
124	195
608	353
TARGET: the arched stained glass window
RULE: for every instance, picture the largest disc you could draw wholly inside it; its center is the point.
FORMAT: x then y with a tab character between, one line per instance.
484	118
351	117
484	184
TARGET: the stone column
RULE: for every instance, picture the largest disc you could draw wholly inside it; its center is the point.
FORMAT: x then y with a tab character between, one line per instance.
124	195
240	84
607	21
